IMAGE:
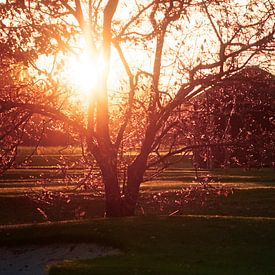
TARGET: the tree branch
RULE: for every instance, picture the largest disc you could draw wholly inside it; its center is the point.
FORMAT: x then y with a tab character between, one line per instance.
42	110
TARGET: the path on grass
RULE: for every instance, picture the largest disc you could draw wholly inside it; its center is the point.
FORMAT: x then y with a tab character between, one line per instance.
230	217
34	259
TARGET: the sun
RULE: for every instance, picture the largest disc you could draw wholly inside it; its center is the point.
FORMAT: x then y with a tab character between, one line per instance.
82	72
79	72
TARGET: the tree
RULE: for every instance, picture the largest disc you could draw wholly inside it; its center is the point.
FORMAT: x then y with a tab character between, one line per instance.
163	53
238	111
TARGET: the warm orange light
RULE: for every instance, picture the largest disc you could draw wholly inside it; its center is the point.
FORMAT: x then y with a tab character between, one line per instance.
82	72
79	72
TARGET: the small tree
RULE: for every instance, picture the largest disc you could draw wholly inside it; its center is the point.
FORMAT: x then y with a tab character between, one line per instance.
163	53
237	112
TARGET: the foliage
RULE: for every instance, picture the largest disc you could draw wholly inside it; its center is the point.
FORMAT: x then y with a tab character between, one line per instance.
240	113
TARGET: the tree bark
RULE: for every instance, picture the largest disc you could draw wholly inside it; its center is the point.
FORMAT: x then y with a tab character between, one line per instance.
108	167
118	204
135	175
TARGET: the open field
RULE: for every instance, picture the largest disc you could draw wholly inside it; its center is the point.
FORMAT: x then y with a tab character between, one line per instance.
230	233
40	194
162	245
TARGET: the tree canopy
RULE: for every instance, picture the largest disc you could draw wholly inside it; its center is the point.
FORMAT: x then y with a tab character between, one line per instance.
145	61
240	113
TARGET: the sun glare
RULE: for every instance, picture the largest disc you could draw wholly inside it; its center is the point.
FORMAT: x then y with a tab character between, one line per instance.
82	72
79	72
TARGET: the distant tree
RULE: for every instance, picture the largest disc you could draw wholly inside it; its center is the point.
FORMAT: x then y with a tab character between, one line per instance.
238	112
162	53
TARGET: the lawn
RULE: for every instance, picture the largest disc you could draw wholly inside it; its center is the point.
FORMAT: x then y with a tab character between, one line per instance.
27	199
209	234
163	245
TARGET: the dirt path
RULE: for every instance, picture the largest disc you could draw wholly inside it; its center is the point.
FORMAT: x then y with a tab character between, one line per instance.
34	259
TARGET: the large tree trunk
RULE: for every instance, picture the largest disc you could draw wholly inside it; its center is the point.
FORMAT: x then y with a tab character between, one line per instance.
135	174
118	204
113	201
112	195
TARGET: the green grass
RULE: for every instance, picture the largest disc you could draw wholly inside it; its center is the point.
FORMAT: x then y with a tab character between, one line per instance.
249	203
162	245
253	195
48	150
234	175
240	240
53	156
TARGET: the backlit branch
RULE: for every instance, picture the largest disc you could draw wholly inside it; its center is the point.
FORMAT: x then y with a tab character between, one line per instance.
42	110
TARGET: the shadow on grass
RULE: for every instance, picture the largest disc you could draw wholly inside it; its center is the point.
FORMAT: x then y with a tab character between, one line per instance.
162	245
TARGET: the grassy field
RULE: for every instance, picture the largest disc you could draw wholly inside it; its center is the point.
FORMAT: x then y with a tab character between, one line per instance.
162	245
35	195
177	230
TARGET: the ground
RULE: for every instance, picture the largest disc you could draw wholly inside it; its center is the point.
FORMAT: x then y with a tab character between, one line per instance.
162	245
177	230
